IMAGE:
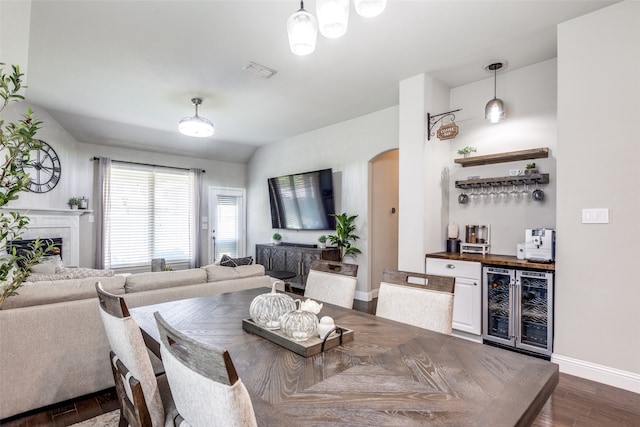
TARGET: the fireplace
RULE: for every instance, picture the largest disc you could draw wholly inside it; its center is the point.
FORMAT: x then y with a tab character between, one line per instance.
54	246
47	224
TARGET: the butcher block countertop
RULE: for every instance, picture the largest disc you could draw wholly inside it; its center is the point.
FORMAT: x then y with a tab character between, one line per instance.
494	259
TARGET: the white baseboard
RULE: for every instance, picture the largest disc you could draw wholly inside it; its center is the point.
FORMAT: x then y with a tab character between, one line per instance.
366	296
599	373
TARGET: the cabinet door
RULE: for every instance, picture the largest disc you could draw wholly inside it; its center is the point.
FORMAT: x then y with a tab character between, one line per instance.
293	262
263	256
467	304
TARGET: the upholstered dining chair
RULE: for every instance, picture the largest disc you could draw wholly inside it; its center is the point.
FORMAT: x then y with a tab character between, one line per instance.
428	304
332	282
145	400
204	382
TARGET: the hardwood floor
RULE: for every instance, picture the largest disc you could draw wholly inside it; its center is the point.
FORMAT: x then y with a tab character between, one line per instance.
575	402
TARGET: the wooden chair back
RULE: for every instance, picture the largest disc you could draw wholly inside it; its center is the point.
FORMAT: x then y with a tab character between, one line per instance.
430	281
134	411
428	305
332	282
203	381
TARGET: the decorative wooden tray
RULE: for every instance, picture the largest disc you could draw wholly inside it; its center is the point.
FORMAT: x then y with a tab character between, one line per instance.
306	348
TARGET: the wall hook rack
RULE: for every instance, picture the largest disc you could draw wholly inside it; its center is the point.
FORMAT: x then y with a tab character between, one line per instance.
433	120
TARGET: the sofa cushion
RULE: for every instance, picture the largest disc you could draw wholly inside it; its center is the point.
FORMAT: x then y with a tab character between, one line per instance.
227	261
48	291
216	273
164	279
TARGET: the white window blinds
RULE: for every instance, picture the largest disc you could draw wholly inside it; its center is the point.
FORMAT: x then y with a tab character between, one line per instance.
150	216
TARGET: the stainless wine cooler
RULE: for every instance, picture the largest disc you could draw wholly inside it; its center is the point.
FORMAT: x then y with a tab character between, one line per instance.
517	309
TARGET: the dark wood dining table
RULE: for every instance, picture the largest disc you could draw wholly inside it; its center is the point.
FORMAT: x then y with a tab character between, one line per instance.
391	374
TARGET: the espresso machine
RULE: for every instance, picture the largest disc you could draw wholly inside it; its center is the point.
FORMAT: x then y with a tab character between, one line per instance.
540	244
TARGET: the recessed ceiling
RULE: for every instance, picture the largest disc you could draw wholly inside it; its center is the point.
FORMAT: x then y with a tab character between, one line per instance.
123	72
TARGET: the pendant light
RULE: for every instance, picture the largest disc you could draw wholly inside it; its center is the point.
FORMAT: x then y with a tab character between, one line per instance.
302	28
370	8
494	111
333	17
196	125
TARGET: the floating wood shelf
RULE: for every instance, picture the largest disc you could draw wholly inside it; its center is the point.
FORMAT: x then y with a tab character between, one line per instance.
534	178
534	153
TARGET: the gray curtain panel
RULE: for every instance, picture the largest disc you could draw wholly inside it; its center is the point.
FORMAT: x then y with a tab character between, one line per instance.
104	172
197	175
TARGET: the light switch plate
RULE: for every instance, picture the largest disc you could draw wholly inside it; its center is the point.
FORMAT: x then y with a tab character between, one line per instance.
595	216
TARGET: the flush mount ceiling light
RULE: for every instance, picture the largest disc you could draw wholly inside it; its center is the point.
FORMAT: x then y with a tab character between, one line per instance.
196	125
494	110
333	17
302	28
370	8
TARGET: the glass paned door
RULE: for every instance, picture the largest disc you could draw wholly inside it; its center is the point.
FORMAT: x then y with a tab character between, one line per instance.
227	210
498	312
536	297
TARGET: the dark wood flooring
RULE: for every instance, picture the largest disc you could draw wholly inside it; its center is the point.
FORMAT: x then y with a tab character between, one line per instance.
575	402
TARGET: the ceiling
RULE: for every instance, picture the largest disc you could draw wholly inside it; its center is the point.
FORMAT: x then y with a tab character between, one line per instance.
122	73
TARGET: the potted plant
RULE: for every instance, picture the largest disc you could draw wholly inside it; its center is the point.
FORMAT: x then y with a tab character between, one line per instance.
16	142
73	202
323	241
530	169
276	238
464	152
344	236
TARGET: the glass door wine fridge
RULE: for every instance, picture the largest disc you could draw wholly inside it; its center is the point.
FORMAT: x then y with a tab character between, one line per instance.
518	309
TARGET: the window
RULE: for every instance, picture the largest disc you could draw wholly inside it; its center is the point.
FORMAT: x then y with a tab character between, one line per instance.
150	215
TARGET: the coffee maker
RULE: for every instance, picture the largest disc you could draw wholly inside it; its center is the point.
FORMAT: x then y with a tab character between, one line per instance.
540	244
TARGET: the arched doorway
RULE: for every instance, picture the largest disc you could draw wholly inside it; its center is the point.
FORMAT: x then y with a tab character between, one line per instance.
383	215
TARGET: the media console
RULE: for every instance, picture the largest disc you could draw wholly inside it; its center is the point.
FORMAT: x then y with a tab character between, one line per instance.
294	257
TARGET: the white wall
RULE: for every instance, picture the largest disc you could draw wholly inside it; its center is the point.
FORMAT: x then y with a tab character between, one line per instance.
77	176
345	147
529	94
597	298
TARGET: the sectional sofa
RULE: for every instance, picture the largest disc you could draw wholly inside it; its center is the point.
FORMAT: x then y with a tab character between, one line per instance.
53	346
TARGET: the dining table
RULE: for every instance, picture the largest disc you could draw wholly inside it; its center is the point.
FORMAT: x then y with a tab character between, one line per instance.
390	374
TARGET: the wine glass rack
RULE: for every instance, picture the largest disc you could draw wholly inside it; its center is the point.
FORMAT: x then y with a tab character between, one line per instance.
528	179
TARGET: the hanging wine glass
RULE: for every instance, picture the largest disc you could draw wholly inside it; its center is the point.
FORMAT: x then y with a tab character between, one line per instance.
514	193
474	196
484	195
503	195
525	194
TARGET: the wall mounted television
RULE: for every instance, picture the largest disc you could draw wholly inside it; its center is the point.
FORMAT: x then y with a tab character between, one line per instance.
302	201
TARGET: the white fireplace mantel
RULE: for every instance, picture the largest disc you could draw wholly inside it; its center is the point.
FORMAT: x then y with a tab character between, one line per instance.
50	223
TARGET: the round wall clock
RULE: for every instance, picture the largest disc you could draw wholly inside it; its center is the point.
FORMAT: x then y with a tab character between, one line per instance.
43	168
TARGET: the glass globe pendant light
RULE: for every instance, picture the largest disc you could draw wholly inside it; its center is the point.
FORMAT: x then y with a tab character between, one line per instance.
370	8
196	126
494	110
302	28
333	17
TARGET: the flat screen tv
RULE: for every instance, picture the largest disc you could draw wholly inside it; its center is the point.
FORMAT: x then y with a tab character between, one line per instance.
302	201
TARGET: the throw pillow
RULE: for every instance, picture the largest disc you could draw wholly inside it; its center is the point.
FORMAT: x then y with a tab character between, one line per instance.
227	261
81	273
48	277
48	265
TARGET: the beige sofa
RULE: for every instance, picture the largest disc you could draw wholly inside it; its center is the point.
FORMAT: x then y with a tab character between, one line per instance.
53	346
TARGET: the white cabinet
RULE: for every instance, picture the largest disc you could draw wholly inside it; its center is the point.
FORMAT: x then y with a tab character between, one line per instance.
467	301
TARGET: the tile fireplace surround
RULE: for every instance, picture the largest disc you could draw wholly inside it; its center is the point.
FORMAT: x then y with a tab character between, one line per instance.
49	223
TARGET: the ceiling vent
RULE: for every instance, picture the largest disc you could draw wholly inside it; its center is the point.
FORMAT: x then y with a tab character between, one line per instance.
259	70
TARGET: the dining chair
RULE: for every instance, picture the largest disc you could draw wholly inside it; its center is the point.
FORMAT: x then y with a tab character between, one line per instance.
145	400
332	282
205	385
427	304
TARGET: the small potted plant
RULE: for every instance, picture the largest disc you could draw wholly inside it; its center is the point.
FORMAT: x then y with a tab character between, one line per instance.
464	152
323	241
276	238
530	169
73	202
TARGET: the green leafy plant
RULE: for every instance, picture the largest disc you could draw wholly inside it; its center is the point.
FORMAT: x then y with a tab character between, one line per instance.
322	239
73	201
17	141
277	237
345	236
531	165
467	150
